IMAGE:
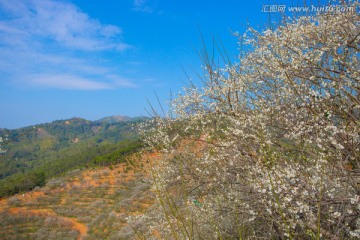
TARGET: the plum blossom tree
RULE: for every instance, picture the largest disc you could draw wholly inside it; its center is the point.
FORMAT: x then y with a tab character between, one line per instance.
268	147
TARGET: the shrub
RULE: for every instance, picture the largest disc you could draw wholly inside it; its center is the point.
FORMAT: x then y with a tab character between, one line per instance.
56	183
14	202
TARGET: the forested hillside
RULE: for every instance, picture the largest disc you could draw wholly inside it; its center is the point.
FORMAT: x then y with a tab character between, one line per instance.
33	154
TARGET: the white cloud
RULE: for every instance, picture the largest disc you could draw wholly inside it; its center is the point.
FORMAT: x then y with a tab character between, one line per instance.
51	43
60	22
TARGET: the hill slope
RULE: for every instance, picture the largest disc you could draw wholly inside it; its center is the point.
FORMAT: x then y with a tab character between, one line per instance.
87	204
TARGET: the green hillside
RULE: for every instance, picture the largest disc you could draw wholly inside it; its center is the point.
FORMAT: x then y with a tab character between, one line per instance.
36	153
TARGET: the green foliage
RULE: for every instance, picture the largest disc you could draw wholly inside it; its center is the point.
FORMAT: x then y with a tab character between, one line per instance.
22	182
117	156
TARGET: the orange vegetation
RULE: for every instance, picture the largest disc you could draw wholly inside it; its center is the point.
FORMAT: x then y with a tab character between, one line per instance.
79	190
81	228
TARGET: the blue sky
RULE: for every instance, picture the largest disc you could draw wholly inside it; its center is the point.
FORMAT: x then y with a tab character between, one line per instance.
90	59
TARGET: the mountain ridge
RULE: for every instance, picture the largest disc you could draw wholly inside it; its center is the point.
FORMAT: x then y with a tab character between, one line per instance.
107	119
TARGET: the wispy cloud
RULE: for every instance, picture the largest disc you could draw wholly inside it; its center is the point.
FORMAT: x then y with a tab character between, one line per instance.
142	6
65	81
48	43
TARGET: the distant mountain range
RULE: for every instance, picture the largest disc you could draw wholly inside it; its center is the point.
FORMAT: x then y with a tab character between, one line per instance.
64	130
108	119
